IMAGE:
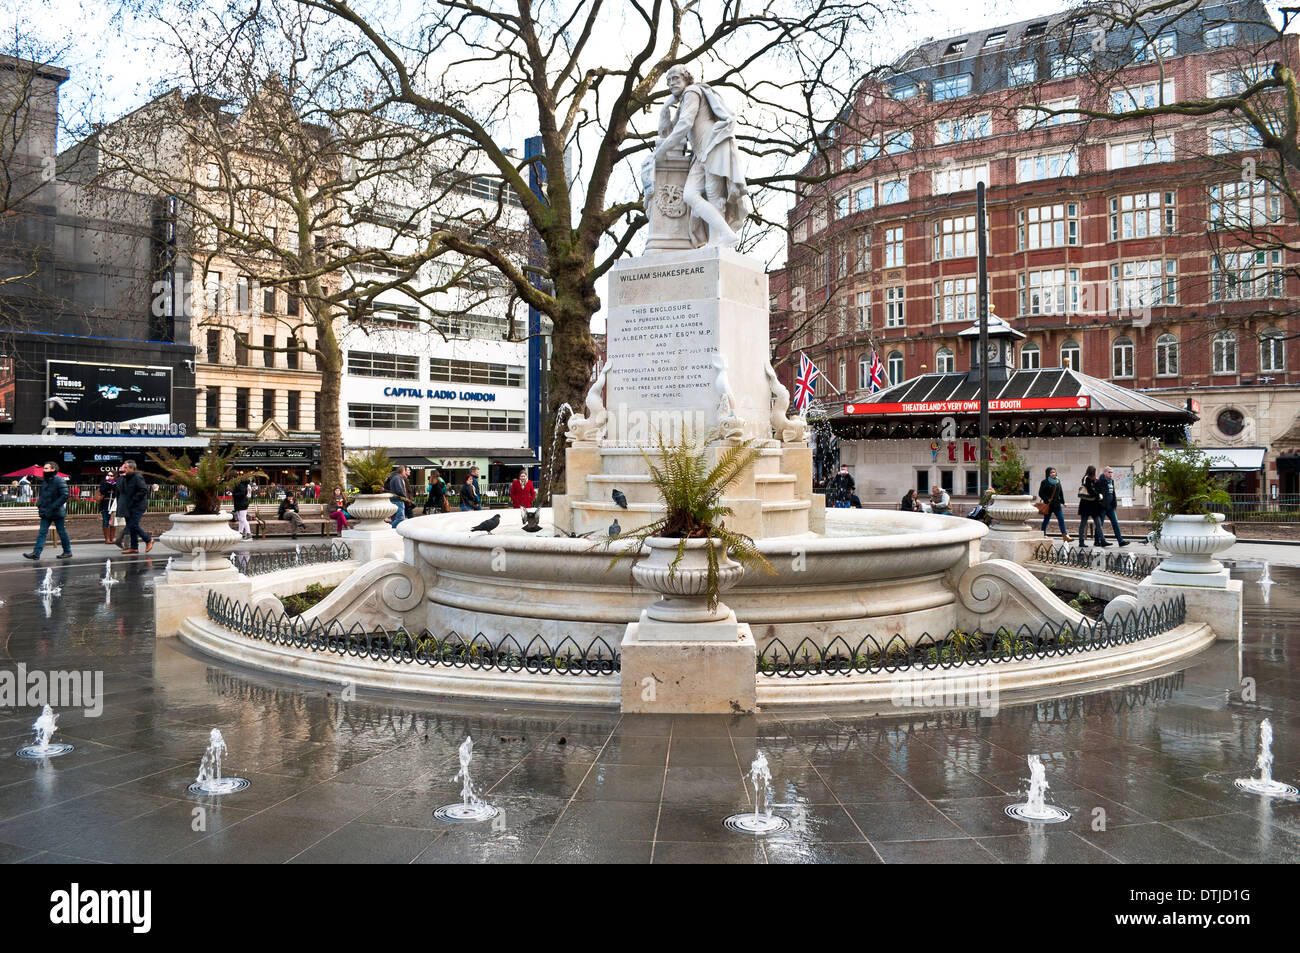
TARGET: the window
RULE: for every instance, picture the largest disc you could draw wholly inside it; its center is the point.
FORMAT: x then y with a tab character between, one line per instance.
1121	358
1054	112
848	157
1143	215
945	480
959	178
1020	74
893	190
374	364
865	198
922	481
894	306
384	416
904	91
291	353
951	87
1234	139
241	350
291	305
1224	352
475	372
214	299
214	347
241	408
1244	204
947	131
243	302
843	205
1230	82
864	371
212	408
1230	422
1031	358
1223	35
1048	226
894	247
1124	155
293	414
1072	356
1162	47
954	299
268	301
1242	275
995	39
894	367
1137	285
842	380
1049	165
1144	96
1053	291
894	144
1166	356
863	302
945	361
268	354
972	482
955	47
1272	351
485	421
955	237
1067	64
862	251
268	405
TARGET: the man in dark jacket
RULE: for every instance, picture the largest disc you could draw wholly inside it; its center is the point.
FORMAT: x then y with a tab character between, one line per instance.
51	505
840	490
132	503
1106	489
396	485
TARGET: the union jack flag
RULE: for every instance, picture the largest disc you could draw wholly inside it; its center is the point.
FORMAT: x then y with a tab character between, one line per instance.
805	383
877	374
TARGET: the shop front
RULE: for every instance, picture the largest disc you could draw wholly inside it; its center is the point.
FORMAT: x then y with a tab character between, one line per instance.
286	464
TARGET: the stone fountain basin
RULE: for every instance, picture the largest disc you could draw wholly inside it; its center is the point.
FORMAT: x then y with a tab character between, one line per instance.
878	572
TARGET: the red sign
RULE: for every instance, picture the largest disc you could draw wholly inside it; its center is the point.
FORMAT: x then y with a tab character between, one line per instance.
1005	406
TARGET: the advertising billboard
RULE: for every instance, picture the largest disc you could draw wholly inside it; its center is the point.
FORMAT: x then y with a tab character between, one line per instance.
109	393
6	389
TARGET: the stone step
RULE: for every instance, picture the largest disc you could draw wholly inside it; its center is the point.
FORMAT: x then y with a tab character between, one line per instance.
775	487
636	487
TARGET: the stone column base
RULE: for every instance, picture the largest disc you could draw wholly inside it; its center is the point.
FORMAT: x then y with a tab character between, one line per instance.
185	593
1013	547
652	630
366	545
1214	580
686	677
1219	607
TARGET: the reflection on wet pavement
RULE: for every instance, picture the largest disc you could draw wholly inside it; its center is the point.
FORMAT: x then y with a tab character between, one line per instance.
1146	769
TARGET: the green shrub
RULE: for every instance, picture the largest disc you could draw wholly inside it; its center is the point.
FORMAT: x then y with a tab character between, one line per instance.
1181	484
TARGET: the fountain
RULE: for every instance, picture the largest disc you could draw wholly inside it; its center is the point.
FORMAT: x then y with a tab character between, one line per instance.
43	748
471	807
1035	808
210	780
108	579
47	587
1264	784
761	820
562	413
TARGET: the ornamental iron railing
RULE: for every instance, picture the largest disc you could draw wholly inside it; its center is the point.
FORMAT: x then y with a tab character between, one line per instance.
536	656
959	648
256	564
1130	565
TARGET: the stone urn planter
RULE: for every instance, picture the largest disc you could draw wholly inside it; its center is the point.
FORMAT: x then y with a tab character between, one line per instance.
1193	542
370	510
1012	513
682	591
203	539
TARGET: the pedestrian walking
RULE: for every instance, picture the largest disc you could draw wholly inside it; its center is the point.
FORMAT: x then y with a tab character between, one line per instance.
840	489
133	503
239	503
1106	489
1052	495
396	487
1090	508
107	505
436	501
52	507
469	498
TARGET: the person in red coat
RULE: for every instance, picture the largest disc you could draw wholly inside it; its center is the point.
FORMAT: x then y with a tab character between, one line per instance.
522	491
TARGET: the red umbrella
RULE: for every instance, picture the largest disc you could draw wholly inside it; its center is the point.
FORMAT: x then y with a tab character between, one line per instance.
32	473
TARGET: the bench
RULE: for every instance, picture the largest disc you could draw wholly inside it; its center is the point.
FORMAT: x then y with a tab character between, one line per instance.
263	519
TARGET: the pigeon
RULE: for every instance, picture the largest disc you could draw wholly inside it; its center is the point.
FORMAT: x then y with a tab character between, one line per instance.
488	526
620	499
614	528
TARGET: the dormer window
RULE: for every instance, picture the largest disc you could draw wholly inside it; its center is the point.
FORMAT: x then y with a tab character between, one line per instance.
955	47
1036	29
995	39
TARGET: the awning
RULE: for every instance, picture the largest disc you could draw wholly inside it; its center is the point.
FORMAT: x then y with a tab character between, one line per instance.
1224	459
517	459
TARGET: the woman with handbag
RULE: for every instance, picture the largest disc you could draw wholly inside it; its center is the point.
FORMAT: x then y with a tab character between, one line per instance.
1090	508
1051	501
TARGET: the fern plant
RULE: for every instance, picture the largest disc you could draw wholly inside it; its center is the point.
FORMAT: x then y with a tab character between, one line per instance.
692	492
370	469
1181	485
207	480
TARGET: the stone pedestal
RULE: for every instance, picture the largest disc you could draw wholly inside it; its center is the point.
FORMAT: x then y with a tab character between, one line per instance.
1195	580
1014	547
370	544
689	677
181	593
1219	607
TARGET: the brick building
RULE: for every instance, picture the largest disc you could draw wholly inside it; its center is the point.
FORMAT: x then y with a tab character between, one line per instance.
1144	252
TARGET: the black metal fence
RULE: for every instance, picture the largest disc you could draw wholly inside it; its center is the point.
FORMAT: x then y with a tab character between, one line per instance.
536	656
958	648
1117	564
255	564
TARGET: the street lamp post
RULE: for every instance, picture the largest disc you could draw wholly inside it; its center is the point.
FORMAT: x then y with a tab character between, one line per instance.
982	309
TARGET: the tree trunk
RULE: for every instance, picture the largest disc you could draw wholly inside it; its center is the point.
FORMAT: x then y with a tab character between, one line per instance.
573	356
329	359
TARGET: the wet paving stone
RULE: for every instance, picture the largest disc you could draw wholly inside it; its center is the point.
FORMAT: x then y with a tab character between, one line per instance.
1147	768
